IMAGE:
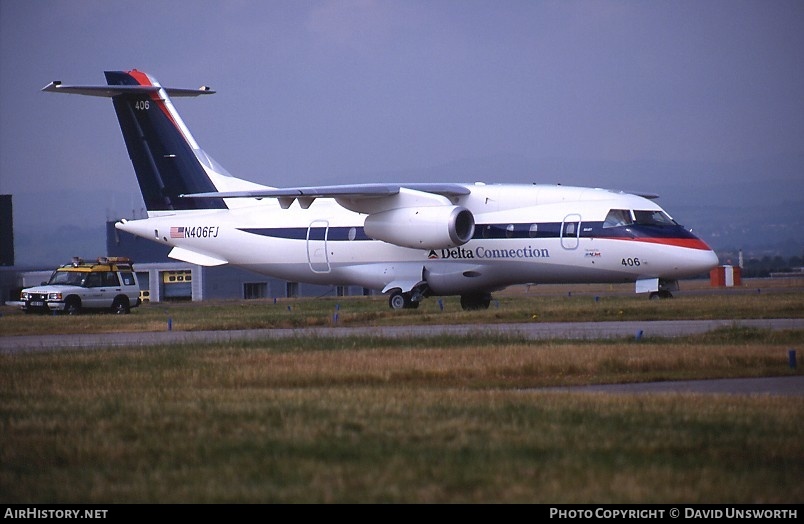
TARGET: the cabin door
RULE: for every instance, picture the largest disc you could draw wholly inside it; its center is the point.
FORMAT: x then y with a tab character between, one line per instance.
317	246
571	231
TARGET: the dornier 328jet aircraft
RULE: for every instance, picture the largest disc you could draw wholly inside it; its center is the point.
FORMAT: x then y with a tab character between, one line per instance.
410	241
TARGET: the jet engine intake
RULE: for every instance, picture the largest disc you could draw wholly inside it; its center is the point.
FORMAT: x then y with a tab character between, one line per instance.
435	227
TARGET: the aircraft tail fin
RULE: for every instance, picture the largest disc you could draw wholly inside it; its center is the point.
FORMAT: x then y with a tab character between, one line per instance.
167	160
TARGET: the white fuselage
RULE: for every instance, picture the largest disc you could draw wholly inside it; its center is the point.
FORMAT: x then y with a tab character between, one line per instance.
322	244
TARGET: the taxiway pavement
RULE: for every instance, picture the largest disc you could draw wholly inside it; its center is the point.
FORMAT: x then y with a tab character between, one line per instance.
533	331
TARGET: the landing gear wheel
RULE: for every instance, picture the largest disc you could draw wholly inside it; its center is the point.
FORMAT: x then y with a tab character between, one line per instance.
399	300
475	301
660	294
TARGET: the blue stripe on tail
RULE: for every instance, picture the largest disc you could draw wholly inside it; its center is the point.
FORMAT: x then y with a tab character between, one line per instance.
164	162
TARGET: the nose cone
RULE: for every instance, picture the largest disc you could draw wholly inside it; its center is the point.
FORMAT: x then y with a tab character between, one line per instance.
707	260
700	259
694	258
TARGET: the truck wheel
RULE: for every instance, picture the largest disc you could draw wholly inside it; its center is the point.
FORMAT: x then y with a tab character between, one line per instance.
120	306
72	307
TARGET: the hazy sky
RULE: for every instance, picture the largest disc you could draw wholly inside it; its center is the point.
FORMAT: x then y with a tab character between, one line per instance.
323	91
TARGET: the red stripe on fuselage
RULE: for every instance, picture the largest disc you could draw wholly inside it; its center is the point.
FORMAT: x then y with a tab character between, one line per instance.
689	243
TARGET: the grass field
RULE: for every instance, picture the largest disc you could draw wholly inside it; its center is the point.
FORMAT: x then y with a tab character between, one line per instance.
581	303
431	420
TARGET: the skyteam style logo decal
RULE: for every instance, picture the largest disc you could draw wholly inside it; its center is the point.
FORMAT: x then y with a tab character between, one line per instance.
481	252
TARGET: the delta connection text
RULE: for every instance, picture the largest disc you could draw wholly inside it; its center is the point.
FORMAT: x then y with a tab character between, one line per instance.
482	252
687	513
39	513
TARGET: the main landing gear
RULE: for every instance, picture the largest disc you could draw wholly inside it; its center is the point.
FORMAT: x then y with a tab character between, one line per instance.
475	301
399	300
470	302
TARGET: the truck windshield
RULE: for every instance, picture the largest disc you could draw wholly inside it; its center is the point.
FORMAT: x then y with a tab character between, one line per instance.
69	278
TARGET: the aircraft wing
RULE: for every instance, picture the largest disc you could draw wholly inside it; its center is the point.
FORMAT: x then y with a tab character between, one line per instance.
361	198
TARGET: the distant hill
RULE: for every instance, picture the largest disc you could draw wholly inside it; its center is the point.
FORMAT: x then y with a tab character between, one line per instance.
755	206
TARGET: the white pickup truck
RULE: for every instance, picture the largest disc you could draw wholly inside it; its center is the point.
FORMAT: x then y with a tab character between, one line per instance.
110	283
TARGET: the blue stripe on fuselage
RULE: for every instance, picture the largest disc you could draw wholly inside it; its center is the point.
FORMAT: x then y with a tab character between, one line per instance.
492	231
316	233
587	230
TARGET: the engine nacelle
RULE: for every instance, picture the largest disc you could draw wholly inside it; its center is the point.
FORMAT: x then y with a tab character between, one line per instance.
427	227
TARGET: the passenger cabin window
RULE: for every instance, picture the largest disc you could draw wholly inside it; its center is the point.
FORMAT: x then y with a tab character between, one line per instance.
653	218
618	217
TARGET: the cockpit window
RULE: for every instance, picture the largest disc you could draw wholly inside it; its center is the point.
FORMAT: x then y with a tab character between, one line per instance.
653	218
618	217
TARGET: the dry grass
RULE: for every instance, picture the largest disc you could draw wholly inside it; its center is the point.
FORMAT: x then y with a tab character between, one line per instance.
372	420
496	365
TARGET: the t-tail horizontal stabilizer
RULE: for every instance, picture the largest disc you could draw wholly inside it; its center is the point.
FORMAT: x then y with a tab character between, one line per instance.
166	158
